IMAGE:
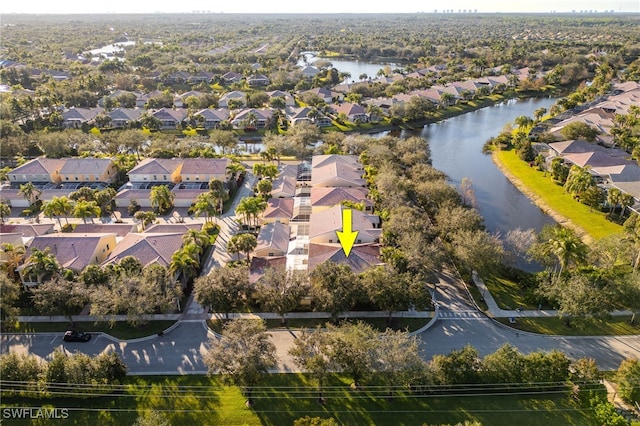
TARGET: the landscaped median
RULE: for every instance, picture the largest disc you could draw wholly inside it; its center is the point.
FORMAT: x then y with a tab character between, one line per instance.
553	199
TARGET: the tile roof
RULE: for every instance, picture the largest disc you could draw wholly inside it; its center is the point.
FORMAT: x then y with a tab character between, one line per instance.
148	248
39	166
215	166
330	220
284	187
323	160
27	230
151	166
73	251
336	174
279	208
260	264
120	229
172	228
86	166
362	257
331	196
274	235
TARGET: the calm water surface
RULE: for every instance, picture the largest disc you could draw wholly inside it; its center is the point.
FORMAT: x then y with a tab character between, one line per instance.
456	149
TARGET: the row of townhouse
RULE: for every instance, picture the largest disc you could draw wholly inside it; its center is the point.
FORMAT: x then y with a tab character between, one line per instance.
95	244
609	165
299	226
187	177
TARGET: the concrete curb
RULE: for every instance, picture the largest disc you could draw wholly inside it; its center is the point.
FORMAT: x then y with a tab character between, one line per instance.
433	320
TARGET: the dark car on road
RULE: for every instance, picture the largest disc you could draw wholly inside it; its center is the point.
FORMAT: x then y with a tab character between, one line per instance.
76	336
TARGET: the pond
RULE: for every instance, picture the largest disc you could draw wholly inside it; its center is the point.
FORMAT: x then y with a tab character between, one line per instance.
456	149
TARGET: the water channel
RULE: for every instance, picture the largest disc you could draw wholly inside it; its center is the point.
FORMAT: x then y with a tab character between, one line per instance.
456	149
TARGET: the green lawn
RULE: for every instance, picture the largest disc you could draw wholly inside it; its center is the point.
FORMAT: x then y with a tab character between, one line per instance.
614	326
282	398
120	330
595	224
507	293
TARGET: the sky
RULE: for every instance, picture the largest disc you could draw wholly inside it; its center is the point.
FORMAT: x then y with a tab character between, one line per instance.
310	6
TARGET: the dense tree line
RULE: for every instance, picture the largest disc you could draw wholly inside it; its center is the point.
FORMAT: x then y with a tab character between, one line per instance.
64	376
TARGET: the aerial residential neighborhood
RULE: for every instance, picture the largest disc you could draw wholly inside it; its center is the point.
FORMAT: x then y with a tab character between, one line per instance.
320	219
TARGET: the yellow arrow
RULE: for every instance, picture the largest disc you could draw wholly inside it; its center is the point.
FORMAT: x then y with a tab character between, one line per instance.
347	237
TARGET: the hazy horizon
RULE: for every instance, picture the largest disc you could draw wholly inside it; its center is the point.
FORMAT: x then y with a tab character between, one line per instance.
327	7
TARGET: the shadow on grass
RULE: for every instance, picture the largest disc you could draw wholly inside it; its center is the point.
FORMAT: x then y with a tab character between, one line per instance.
289	397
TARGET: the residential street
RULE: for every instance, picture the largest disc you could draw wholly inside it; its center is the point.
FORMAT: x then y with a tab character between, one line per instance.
457	323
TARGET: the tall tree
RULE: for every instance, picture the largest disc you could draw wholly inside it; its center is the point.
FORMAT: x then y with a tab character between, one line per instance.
86	209
391	291
559	243
59	296
280	290
161	198
206	204
41	265
183	263
398	360
219	193
310	352
334	288
242	355
242	243
9	309
223	290
136	294
57	207
353	349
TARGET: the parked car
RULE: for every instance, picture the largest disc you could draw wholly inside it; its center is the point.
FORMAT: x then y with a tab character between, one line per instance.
76	336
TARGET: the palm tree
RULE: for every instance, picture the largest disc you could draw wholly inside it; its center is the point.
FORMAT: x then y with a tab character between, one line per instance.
13	256
85	209
182	262
566	246
29	192
578	181
58	206
264	188
43	264
205	204
5	211
250	208
145	218
197	238
614	196
242	243
234	170
218	192
161	198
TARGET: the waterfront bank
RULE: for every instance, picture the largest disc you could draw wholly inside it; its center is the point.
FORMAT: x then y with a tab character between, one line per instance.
553	200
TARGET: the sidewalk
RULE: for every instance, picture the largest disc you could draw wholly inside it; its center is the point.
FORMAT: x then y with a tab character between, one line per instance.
195	312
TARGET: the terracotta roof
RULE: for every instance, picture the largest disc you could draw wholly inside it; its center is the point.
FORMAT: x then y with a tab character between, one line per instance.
331	196
120	229
27	230
39	166
284	187
172	228
73	251
148	248
85	166
260	264
275	235
217	166
151	166
362	257
323	160
337	174
279	208
330	220
595	159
